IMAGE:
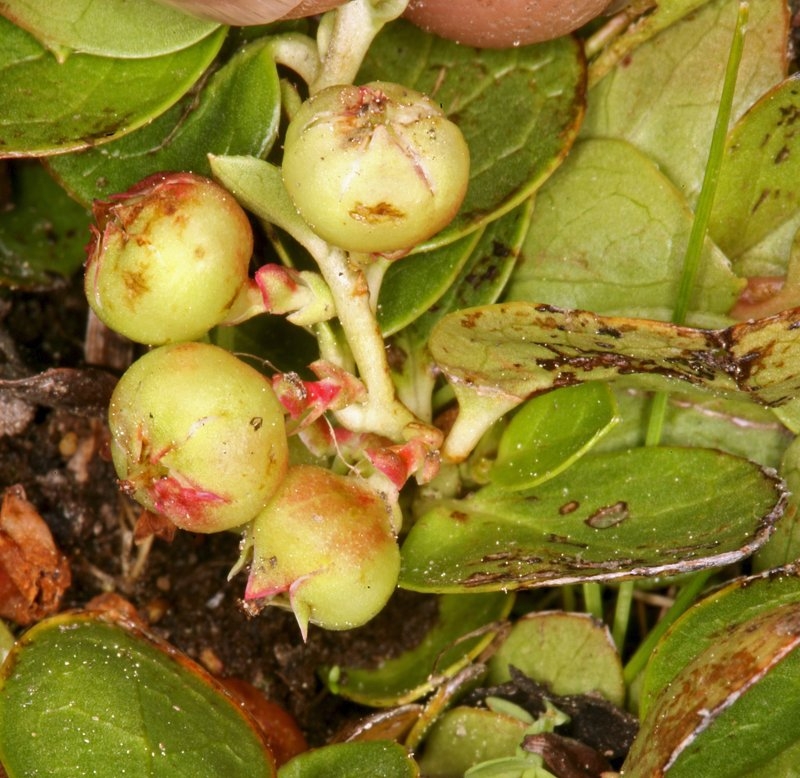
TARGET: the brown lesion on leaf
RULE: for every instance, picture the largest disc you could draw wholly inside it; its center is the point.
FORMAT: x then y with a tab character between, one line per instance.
782	155
789	115
762	198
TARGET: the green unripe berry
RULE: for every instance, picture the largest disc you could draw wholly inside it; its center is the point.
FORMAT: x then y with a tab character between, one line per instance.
198	436
376	168
324	546
169	258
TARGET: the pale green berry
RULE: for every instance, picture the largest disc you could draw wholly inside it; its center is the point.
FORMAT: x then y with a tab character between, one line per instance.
198	436
376	168
168	259
324	547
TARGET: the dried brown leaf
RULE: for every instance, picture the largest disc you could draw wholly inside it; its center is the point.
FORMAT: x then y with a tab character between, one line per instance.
33	573
565	757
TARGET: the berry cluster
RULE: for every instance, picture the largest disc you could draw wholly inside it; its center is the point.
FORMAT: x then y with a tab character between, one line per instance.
199	437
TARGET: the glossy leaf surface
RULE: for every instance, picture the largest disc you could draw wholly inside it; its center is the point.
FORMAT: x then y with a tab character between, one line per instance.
413	284
699	628
352	760
442	651
236	112
550	432
737	652
641	512
481	280
108	28
83	696
48	107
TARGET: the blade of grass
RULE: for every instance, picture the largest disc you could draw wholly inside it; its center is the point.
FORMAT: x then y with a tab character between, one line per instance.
593	599
708	190
691	266
705	201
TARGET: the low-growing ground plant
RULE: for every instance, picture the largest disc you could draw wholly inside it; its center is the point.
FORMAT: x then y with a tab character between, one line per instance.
498	316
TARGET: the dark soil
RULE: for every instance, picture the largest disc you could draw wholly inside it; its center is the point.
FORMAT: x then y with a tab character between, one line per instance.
59	455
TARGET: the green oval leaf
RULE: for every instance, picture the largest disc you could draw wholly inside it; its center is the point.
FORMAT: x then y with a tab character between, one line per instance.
759	183
519	110
664	100
464	737
481	279
108	28
722	688
353	760
495	356
609	234
414	283
236	112
48	107
444	650
570	652
83	696
640	512
550	432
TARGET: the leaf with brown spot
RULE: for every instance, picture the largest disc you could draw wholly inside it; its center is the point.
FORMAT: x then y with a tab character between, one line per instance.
496	356
735	703
758	189
686	509
33	572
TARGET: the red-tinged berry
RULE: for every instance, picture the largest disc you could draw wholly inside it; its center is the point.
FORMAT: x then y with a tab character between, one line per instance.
325	548
503	23
168	258
247	12
198	436
377	168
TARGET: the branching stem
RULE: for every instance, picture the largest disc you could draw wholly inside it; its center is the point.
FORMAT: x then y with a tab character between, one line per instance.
382	413
346	35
